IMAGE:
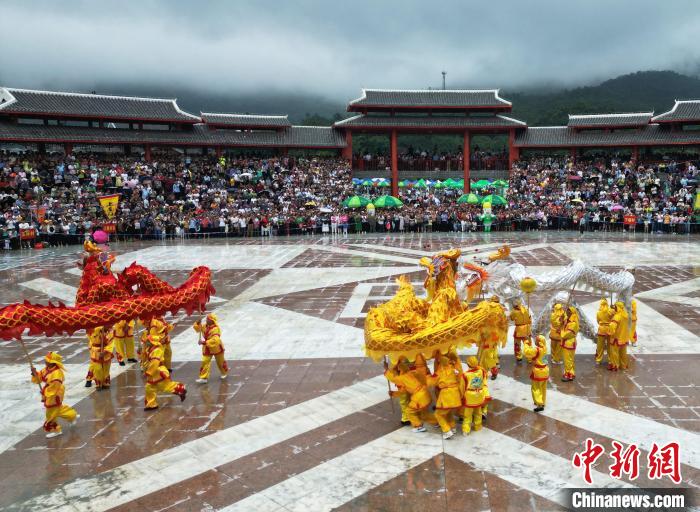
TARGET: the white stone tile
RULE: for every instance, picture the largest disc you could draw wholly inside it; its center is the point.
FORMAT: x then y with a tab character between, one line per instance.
587	415
150	474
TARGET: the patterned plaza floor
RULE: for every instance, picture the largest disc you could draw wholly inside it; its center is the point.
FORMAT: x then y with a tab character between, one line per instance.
304	421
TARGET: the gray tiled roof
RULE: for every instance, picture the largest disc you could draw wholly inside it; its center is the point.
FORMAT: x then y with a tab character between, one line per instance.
68	104
245	120
686	110
563	136
428	98
436	122
610	120
295	136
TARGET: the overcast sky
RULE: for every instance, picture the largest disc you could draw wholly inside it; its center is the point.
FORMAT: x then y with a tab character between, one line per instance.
337	47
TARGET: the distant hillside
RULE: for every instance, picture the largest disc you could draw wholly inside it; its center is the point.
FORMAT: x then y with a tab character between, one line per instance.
637	92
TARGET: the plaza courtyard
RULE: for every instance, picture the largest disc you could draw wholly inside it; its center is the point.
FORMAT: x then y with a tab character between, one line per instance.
304	421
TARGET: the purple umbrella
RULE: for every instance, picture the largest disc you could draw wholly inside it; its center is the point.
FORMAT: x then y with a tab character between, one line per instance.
617	207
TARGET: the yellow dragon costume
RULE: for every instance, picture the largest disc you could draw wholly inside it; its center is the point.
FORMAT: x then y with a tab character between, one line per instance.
413	327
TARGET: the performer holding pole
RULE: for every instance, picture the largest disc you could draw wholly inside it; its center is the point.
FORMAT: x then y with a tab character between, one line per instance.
604	315
50	380
212	346
540	370
157	375
568	344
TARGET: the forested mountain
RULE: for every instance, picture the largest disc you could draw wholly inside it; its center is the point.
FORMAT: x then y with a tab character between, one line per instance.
637	92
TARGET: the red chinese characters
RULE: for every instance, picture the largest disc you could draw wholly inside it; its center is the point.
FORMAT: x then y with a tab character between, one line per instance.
665	461
587	457
626	461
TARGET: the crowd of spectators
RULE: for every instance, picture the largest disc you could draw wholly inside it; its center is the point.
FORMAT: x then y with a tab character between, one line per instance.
428	161
180	196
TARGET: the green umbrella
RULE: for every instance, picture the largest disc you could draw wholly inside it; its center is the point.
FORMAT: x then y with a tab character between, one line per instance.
481	184
384	184
367	183
387	202
500	183
439	184
456	184
420	184
494	200
449	183
356	202
402	184
470	198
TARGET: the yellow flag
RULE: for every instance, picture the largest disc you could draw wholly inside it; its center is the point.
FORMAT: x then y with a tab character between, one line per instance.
109	205
697	201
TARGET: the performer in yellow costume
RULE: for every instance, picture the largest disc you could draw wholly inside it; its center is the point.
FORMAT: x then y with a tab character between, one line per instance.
51	378
568	344
540	370
449	397
633	328
123	332
403	395
556	322
523	327
211	347
101	355
473	400
620	334
604	315
408	381
488	354
157	375
159	327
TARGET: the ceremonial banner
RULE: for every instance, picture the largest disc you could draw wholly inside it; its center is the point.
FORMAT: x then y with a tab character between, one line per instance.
40	213
109	227
27	234
109	205
630	220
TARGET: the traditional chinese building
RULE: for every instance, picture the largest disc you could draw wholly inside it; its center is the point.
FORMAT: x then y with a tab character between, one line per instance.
74	122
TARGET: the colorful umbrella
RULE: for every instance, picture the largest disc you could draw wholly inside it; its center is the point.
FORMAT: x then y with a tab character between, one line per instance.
384	184
310	203
470	198
356	202
481	184
367	183
617	207
403	184
439	184
420	184
387	202
495	200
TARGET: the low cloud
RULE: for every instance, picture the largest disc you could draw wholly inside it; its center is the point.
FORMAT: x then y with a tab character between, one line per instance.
336	48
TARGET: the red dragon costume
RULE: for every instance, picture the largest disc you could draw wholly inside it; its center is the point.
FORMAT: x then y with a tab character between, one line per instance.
104	298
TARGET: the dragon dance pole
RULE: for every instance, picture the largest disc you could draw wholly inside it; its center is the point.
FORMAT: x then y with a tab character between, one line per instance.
31	365
388	386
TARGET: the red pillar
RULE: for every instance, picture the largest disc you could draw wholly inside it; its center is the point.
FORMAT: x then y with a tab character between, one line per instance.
347	150
68	148
284	151
466	160
394	164
147	152
635	154
513	152
574	153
